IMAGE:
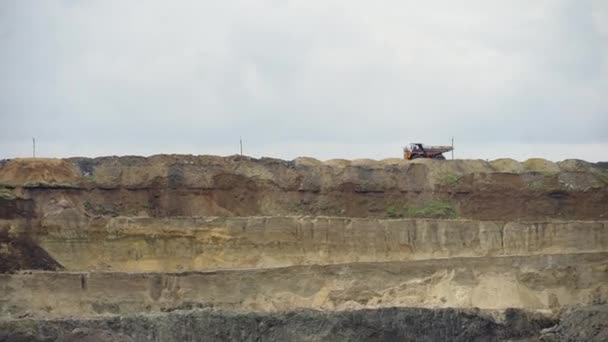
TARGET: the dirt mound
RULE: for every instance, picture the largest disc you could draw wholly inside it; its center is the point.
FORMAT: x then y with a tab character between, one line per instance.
18	172
21	253
198	170
507	165
540	165
575	165
307	161
393	161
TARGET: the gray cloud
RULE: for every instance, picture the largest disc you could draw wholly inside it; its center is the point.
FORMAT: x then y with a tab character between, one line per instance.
123	77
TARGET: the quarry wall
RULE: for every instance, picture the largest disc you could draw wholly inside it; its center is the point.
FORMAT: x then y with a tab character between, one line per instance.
198	244
171	241
168	186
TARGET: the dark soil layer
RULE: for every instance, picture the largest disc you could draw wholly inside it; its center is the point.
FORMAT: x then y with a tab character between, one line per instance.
392	324
22	253
582	324
15	208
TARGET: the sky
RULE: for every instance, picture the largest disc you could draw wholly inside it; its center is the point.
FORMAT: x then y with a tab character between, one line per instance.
325	79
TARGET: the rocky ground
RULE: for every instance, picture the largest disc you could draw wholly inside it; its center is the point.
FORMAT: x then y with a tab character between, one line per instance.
204	248
391	324
588	323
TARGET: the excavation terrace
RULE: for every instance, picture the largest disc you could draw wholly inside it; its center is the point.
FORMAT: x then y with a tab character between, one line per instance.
206	248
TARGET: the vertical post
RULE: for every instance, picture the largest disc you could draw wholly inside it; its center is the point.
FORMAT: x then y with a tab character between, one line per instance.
241	143
452	148
34	147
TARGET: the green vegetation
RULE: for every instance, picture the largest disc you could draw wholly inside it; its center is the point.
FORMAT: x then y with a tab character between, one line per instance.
436	209
392	212
433	209
47	185
450	179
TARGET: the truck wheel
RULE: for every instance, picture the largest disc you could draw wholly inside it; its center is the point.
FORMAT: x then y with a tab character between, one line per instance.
439	157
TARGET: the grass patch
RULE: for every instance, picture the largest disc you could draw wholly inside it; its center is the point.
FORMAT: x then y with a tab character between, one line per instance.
450	179
392	212
435	209
46	185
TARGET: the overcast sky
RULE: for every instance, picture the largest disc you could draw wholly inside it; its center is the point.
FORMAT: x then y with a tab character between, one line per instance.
326	79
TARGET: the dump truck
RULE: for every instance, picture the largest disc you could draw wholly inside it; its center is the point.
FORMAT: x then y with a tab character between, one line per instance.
418	150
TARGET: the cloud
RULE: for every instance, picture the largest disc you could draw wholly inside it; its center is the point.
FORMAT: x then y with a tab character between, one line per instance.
92	77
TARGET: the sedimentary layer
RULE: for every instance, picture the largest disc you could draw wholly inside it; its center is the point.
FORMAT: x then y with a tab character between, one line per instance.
192	248
531	282
198	244
170	185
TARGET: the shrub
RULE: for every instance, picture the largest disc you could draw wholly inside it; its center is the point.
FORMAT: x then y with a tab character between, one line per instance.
393	212
450	179
433	209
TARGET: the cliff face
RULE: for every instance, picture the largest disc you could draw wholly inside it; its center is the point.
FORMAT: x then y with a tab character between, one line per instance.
199	244
145	246
165	186
534	283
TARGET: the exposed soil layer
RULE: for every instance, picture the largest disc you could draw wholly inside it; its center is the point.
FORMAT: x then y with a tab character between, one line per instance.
204	248
169	185
390	324
545	282
204	243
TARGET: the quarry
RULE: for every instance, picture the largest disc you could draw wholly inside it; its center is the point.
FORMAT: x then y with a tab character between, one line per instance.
207	248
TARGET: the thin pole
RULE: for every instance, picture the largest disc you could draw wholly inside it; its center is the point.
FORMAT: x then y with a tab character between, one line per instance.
452	148
34	147
241	143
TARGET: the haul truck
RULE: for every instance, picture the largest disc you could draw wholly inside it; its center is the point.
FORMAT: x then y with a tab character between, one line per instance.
418	150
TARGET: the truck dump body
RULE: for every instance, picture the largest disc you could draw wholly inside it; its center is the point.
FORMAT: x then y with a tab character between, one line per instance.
418	150
437	148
